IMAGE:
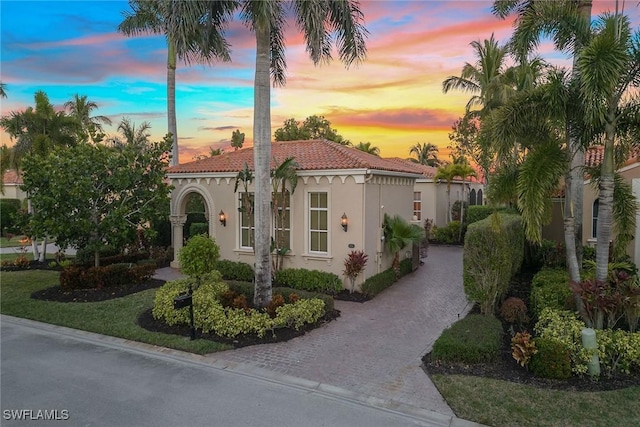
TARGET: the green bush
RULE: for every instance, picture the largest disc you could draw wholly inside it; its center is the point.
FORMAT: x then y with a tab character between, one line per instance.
619	351
247	289
211	316
309	280
551	360
564	326
234	270
493	253
474	339
199	255
77	277
550	289
381	281
477	213
449	234
455	211
198	228
8	209
86	256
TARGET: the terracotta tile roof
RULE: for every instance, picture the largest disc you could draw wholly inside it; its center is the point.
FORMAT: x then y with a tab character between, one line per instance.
12	177
318	154
426	171
594	155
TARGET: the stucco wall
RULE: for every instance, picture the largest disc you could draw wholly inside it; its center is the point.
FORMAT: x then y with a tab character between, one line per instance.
13	191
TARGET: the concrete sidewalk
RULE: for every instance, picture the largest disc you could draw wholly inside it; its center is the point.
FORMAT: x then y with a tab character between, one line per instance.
375	348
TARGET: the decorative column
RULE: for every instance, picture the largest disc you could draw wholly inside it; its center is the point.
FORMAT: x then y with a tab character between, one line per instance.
177	222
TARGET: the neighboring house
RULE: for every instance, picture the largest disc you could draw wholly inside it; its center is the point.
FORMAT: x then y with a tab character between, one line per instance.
333	181
430	195
630	171
12	181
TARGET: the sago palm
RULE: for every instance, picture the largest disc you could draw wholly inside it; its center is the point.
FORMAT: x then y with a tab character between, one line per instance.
399	234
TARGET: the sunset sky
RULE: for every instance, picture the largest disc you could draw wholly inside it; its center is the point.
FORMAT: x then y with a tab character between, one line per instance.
393	100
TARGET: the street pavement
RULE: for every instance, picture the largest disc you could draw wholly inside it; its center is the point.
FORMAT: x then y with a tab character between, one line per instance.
369	356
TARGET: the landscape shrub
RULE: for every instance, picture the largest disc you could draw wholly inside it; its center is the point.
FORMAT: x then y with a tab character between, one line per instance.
551	360
199	255
309	280
550	289
474	339
514	310
234	270
564	327
85	256
493	253
618	350
523	348
381	281
449	234
78	277
211	316
477	213
198	228
8	209
548	254
455	211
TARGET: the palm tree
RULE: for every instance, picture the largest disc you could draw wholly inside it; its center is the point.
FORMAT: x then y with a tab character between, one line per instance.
367	148
448	173
463	170
193	33
90	127
285	173
426	154
3	90
131	135
321	22
398	234
568	22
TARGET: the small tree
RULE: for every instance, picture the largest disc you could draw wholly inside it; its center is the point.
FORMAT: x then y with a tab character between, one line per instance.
398	234
198	256
354	264
237	139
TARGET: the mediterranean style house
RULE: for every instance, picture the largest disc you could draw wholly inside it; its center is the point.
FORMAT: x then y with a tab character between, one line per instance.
630	172
338	205
11	186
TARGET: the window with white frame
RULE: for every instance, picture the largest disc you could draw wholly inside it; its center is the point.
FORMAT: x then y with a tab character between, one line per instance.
247	224
318	222
282	222
594	218
417	205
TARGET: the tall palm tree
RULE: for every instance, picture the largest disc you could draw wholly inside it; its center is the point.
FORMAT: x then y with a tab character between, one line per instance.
367	148
90	127
426	154
448	173
132	135
321	23
464	171
568	22
193	30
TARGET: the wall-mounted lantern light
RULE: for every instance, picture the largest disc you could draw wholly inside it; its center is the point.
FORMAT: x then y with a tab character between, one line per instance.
223	218
344	222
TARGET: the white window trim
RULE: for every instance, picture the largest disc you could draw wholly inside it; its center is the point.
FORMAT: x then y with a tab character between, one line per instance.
291	213
307	230
418	200
240	227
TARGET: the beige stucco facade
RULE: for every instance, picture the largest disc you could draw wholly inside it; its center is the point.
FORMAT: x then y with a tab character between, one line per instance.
434	200
364	196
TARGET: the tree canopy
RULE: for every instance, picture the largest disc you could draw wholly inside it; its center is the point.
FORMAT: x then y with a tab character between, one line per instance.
313	127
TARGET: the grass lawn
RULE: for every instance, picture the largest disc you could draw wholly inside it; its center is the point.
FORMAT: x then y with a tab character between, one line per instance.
116	317
12	256
13	243
500	403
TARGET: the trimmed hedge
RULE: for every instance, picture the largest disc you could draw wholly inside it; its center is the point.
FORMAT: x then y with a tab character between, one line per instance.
234	270
473	339
552	360
381	281
309	280
477	213
75	277
550	289
493	253
449	234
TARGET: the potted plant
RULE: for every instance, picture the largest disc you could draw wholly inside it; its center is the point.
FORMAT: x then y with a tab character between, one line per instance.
354	264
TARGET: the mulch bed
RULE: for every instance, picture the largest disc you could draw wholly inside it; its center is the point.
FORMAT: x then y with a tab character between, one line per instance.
507	369
56	293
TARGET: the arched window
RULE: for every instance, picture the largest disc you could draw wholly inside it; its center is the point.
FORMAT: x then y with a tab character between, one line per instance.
594	218
472	197
479	198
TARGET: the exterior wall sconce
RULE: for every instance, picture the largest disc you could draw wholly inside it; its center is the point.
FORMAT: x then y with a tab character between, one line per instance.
223	218
344	222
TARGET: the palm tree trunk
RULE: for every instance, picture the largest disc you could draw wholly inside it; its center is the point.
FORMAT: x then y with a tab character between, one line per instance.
605	204
171	100
448	202
261	158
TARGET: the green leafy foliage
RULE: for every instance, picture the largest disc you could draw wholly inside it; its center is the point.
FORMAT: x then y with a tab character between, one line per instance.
474	339
381	281
111	191
309	280
619	351
119	274
550	289
449	234
551	359
8	209
198	228
234	270
479	212
564	327
198	256
493	253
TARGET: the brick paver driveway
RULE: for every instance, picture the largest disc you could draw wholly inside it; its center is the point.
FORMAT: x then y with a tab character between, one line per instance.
375	348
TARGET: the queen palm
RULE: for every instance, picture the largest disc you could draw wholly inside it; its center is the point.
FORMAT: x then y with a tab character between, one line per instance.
321	23
426	154
448	173
193	33
90	127
367	148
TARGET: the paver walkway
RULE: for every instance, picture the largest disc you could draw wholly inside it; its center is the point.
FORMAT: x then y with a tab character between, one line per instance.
375	348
